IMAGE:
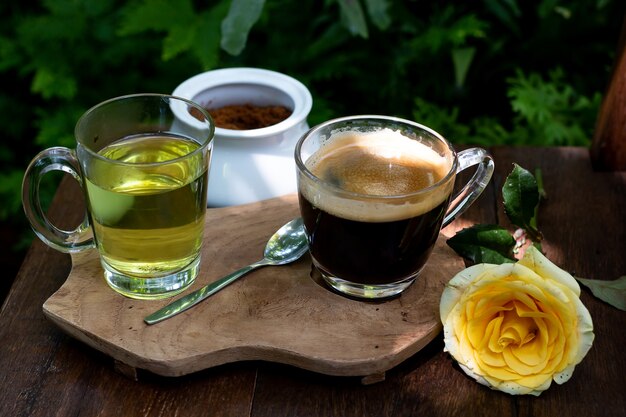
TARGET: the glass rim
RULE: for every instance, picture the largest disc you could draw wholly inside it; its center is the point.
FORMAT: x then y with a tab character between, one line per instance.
361	196
169	97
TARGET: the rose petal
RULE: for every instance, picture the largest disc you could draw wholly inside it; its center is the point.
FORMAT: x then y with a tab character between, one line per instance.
515	388
453	291
536	261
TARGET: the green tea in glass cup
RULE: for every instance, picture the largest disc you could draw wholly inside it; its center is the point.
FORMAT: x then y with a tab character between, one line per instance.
143	162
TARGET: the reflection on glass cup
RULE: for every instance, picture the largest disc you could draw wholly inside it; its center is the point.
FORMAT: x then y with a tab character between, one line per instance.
374	192
142	161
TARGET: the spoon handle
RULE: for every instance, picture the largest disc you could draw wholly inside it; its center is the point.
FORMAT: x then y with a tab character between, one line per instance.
195	297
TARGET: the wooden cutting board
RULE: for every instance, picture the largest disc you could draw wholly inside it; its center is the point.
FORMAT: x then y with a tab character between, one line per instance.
278	314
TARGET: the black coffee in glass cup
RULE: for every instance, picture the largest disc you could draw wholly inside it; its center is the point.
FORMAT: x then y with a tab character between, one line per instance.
374	193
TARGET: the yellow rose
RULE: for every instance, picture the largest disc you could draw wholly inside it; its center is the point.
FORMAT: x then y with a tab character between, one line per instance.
516	327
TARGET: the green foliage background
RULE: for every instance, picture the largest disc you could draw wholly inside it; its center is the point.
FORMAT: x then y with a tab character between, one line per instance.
486	72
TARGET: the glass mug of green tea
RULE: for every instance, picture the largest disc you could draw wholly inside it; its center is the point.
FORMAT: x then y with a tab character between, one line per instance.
374	193
142	161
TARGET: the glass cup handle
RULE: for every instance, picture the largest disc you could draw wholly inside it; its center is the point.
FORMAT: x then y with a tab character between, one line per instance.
475	186
53	159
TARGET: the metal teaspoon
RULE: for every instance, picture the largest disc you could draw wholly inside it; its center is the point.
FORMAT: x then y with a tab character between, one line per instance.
287	245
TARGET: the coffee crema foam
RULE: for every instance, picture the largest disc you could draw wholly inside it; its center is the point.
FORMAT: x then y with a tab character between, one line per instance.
382	163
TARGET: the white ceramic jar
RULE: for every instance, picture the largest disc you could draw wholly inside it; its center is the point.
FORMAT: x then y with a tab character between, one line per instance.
256	164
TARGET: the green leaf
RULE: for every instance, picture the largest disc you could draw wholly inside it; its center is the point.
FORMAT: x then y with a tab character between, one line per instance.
462	59
612	292
50	83
178	19
242	15
521	200
206	47
551	111
507	12
9	57
467	27
160	15
56	126
179	39
10	191
539	178
377	10
353	17
484	243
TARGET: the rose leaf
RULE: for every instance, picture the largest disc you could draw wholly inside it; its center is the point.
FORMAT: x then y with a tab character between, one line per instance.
242	15
521	199
484	243
611	292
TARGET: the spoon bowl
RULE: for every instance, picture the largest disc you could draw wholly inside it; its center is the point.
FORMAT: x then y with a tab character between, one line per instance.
286	245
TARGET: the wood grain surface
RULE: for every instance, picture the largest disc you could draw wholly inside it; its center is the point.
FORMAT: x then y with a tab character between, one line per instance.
277	314
46	372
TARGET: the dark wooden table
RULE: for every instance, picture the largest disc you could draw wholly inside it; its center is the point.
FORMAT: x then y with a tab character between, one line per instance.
44	372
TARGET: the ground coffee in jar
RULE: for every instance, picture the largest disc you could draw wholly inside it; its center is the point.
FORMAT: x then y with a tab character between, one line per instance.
248	116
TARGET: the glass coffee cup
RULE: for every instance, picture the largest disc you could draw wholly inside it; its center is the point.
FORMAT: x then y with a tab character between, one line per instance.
374	193
142	161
